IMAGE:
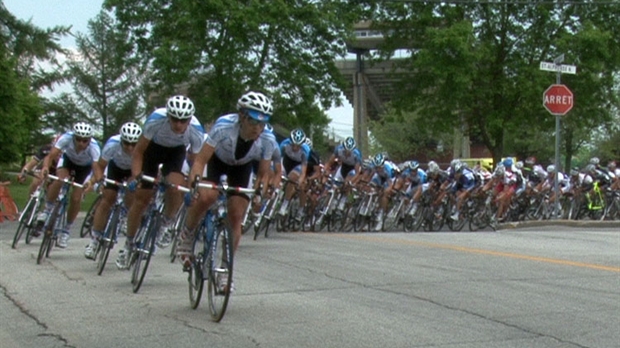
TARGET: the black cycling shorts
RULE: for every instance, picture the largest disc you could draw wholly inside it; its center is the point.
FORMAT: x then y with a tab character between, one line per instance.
116	174
237	175
171	157
79	173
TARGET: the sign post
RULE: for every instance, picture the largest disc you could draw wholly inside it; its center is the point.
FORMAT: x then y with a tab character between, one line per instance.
558	100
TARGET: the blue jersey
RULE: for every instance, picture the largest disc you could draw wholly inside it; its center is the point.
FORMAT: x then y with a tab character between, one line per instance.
158	130
416	178
299	156
354	157
113	150
224	136
83	158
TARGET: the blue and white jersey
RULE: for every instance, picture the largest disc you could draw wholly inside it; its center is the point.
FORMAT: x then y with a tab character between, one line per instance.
354	157
157	129
224	135
415	180
300	156
276	157
84	158
467	179
113	150
388	171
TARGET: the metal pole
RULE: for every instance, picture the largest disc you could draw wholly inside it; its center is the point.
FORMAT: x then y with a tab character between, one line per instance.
556	188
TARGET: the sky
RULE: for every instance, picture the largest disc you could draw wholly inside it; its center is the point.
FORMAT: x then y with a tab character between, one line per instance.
77	13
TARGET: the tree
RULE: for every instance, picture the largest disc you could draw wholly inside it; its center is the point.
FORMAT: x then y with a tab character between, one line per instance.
221	49
106	78
477	64
23	45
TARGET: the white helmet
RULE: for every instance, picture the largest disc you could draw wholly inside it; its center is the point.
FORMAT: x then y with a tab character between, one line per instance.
180	107
83	129
130	132
256	101
298	136
550	168
433	167
349	143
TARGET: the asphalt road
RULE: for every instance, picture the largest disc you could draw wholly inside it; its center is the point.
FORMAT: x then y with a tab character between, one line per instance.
537	287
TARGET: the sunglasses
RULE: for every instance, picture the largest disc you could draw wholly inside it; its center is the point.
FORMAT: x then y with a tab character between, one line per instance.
254	122
179	120
82	140
127	144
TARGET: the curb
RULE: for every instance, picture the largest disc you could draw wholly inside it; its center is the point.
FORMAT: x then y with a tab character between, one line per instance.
563	223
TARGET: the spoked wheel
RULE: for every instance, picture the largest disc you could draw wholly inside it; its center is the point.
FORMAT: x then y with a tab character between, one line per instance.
220	268
144	250
106	243
24	219
90	216
179	222
46	245
456	225
195	275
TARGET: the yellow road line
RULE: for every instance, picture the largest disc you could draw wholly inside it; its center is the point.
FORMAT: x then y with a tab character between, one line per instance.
484	252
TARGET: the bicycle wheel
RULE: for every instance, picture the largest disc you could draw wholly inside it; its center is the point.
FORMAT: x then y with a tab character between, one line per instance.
179	222
24	218
220	268
90	216
195	276
106	243
144	250
46	244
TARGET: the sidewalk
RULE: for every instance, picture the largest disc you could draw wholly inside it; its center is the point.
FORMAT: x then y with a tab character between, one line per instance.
565	223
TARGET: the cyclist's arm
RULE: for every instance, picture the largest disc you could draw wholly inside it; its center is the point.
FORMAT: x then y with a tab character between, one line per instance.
202	158
54	153
138	156
98	168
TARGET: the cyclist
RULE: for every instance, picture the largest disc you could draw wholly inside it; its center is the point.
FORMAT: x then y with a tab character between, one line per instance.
165	136
79	153
116	157
36	162
295	154
464	183
384	177
350	159
235	140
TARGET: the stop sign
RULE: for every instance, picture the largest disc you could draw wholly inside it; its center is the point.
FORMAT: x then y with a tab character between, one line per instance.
558	99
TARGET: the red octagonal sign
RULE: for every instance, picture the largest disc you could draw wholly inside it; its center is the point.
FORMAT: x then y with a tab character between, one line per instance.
558	99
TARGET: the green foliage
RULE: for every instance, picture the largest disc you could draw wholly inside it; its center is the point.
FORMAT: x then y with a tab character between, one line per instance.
106	78
221	49
477	65
23	47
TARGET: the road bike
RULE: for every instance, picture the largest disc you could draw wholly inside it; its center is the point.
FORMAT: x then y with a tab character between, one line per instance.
57	218
28	216
212	257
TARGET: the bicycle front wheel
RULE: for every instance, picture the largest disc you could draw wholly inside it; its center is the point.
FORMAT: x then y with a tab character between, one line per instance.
220	271
107	241
195	277
90	216
24	219
144	250
46	244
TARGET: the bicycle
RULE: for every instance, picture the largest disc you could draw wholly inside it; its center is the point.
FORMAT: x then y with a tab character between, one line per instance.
268	213
144	241
57	218
28	216
112	228
212	256
87	224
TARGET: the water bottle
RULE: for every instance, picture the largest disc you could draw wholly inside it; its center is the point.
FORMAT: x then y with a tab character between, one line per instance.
209	222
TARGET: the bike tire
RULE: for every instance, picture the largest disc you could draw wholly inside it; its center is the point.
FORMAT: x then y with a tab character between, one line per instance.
221	249
144	252
90	215
23	222
195	277
46	242
179	222
107	242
